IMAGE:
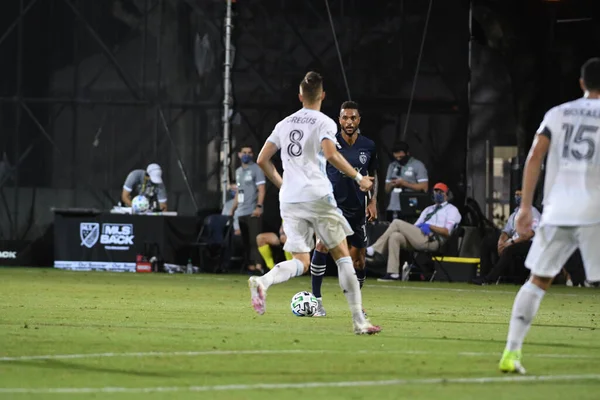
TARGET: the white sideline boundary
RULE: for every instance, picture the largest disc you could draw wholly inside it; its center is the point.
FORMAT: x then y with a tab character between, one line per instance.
305	385
274	352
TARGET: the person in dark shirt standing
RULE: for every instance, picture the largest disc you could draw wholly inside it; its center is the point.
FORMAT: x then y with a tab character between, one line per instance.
360	152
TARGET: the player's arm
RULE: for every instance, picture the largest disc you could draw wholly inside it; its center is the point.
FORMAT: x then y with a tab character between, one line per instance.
337	160
389	181
130	182
503	238
524	238
439	230
264	162
453	220
373	172
126	197
234	206
533	166
162	197
417	187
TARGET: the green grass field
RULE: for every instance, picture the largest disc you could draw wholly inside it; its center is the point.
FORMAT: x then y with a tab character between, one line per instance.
76	335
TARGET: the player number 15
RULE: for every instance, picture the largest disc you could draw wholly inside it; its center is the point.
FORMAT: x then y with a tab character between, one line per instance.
585	145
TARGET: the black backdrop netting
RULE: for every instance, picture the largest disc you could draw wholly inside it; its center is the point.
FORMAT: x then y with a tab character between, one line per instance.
98	143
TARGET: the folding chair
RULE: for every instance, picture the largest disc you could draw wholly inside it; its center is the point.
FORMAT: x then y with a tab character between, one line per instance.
213	241
449	249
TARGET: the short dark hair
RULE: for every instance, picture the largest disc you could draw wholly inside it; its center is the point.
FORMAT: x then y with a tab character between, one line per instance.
590	73
245	145
311	86
400	146
350	105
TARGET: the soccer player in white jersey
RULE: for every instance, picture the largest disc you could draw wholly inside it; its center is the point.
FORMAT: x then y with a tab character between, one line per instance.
570	136
307	140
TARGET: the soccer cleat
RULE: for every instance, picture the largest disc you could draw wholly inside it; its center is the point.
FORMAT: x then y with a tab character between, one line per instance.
511	362
406	272
366	328
258	294
320	309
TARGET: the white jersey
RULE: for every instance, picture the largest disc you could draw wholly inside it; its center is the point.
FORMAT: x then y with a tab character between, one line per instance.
572	185
299	137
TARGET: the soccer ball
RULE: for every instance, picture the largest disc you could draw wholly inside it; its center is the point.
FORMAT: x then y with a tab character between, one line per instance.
140	204
304	304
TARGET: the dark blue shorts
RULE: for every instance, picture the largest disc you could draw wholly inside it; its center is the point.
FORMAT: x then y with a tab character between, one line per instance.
358	223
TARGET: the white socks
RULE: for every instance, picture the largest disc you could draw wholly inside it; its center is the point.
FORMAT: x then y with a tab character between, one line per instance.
350	287
370	251
524	309
282	272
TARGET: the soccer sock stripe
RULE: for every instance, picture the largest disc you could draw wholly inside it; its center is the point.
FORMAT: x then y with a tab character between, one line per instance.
267	255
317	270
361	275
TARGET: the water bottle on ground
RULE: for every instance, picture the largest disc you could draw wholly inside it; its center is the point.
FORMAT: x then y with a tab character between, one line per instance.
188	268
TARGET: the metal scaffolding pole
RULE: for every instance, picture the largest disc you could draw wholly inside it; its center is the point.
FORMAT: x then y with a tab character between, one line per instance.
19	94
227	103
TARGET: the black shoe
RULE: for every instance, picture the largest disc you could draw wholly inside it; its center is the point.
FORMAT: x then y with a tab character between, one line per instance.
388	278
376	258
481	281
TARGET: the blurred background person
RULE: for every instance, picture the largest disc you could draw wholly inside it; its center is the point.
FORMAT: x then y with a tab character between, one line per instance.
148	183
405	173
248	204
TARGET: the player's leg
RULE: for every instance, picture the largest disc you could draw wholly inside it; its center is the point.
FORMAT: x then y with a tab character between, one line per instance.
299	241
317	271
587	238
380	246
396	242
358	256
551	247
254	228
282	240
332	228
358	247
264	241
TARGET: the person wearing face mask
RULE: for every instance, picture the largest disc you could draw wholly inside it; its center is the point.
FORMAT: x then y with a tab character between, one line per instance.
432	229
500	255
405	173
248	204
228	206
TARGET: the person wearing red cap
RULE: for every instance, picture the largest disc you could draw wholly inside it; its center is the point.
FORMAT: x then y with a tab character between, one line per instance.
434	226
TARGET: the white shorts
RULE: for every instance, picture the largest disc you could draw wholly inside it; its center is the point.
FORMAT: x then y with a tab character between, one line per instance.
301	221
553	245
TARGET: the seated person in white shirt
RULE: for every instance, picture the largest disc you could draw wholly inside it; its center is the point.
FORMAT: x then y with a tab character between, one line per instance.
149	183
511	250
431	230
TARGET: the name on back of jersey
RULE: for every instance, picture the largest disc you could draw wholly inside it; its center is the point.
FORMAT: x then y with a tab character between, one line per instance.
582	112
301	120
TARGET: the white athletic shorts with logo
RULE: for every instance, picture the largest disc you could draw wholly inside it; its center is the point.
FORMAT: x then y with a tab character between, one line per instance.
553	245
301	221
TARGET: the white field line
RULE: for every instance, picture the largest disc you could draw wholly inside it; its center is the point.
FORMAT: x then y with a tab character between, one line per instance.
305	385
274	352
434	289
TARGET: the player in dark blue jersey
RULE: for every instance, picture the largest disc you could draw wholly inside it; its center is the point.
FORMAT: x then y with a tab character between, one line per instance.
355	204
